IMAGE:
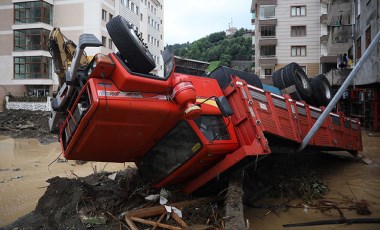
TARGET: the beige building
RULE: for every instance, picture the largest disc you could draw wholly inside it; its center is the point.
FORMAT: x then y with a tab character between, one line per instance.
287	31
25	62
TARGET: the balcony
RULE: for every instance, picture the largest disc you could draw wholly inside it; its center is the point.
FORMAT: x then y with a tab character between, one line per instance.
339	12
268	60
340	39
268	2
328	59
264	2
337	76
268	21
324	39
268	41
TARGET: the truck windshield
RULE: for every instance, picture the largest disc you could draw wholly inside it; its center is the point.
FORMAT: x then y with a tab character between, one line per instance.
177	147
212	127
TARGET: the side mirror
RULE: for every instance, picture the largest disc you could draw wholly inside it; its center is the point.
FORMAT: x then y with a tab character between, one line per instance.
224	106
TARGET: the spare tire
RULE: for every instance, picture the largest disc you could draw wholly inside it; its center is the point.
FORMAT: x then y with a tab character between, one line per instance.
322	92
277	79
223	75
138	57
293	74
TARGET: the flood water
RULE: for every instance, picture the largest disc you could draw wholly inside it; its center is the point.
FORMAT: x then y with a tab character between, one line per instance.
346	178
24	171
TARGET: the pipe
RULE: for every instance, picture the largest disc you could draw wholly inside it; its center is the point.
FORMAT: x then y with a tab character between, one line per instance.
339	94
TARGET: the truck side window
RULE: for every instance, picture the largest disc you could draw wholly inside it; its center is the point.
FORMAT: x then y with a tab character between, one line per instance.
212	127
177	147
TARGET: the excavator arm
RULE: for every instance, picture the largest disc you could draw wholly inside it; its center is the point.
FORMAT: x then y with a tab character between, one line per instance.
62	51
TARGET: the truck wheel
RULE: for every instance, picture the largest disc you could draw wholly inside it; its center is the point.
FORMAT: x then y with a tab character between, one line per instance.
130	46
277	80
223	75
322	92
293	74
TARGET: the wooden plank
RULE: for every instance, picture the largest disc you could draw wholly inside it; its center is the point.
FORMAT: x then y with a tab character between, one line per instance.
158	210
159	220
130	223
152	223
181	222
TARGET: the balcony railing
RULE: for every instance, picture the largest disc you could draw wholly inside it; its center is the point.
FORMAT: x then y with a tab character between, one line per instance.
268	60
268	41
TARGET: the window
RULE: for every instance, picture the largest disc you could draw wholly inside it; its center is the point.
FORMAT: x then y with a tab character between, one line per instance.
268	31
31	39
35	67
127	3
359	48
368	37
133	7
32	12
298	51
110	16
38	90
137	10
110	43
267	12
212	127
298	11
177	147
359	7
141	17
298	31
304	68
268	72
268	51
104	41
104	15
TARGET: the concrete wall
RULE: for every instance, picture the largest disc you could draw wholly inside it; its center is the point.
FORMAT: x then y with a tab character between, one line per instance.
369	17
32	106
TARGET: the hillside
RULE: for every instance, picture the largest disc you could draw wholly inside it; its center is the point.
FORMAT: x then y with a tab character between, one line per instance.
217	48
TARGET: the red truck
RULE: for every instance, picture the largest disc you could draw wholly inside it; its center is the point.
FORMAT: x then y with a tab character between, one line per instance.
179	128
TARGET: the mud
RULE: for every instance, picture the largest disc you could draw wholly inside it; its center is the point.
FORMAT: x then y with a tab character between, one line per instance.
279	190
353	189
26	124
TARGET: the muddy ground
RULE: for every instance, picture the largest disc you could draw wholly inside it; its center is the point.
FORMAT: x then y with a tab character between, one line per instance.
26	124
274	187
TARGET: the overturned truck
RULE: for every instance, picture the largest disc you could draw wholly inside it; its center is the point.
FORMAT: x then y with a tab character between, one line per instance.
178	128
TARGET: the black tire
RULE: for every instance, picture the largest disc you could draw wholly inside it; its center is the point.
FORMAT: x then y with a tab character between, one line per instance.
294	75
322	92
277	79
223	75
130	47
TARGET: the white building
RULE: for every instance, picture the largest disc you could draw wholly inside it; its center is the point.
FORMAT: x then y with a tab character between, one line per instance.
25	62
287	31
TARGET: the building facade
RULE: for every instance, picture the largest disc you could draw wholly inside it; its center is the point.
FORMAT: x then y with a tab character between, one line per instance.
25	62
286	31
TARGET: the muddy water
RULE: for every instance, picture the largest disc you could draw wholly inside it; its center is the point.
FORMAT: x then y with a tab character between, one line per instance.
346	178
24	171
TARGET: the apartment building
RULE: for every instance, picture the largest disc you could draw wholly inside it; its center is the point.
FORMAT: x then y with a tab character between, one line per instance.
352	25
286	31
25	62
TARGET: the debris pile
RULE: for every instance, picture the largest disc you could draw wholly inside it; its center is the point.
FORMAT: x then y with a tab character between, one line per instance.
112	201
26	124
